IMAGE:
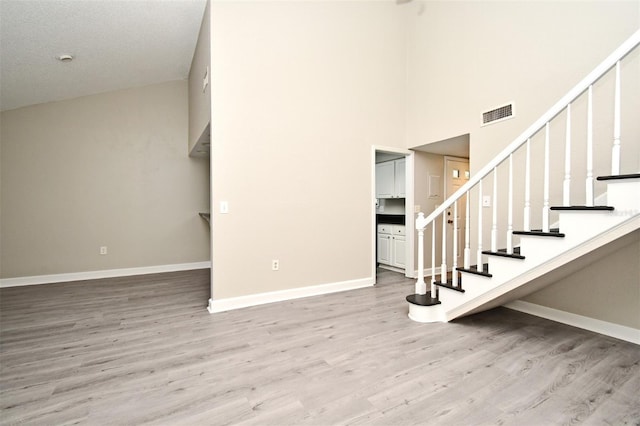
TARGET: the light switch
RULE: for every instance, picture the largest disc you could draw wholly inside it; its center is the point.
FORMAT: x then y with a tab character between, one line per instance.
224	207
416	208
486	201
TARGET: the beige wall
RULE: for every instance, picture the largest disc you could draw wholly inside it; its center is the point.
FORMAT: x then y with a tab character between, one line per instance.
301	91
608	289
467	57
102	170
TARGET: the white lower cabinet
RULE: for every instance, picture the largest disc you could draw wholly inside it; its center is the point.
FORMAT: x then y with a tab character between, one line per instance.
391	245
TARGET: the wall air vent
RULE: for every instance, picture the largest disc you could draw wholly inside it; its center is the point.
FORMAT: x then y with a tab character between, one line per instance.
500	113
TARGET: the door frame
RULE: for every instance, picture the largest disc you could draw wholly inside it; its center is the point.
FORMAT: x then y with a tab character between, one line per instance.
409	271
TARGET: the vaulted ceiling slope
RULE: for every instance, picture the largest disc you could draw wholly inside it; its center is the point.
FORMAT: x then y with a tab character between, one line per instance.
115	44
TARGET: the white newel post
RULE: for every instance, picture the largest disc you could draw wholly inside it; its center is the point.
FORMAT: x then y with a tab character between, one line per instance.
421	286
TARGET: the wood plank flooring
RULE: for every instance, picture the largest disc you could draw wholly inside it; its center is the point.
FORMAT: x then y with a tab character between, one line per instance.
144	350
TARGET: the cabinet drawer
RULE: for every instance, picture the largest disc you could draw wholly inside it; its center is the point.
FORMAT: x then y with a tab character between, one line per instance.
398	230
385	229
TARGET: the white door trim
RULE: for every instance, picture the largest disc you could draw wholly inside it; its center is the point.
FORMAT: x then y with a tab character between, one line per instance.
409	203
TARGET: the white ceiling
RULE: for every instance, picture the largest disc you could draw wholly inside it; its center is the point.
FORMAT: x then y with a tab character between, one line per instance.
457	146
116	44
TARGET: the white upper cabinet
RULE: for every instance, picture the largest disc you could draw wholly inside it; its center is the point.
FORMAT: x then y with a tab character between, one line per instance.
385	180
200	91
390	179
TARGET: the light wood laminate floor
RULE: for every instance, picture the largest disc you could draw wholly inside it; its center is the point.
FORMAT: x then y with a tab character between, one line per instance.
144	350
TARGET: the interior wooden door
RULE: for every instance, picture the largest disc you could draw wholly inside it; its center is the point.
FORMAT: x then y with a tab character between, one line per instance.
456	174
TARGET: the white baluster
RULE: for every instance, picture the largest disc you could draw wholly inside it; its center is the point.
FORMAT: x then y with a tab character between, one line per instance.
454	265
566	186
479	252
421	286
615	153
433	258
443	267
510	208
545	205
467	233
527	188
589	181
494	223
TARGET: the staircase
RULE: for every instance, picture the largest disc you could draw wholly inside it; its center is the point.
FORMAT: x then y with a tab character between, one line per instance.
517	261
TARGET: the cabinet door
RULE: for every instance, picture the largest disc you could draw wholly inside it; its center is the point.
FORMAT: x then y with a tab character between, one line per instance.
385	179
384	249
399	178
398	251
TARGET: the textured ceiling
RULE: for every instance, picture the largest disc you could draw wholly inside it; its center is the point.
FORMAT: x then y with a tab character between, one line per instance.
116	44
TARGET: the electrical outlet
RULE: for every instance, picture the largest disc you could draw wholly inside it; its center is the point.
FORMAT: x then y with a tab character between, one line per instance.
103	250
275	265
416	208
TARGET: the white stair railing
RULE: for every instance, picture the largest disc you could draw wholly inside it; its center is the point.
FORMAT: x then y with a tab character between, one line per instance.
526	139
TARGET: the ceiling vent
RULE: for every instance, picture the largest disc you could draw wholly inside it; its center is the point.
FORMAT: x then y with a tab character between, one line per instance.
500	113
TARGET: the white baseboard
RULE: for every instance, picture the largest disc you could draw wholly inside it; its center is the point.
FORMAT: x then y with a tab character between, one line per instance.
92	275
221	305
603	327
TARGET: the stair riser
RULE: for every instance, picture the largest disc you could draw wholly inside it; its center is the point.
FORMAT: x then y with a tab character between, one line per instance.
452	297
540	249
503	268
581	226
624	196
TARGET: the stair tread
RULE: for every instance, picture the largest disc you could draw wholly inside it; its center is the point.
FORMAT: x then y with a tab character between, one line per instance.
539	233
583	208
450	286
504	254
422	299
620	177
474	270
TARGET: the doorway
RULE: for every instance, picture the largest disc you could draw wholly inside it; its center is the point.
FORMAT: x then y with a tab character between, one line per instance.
392	211
431	175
